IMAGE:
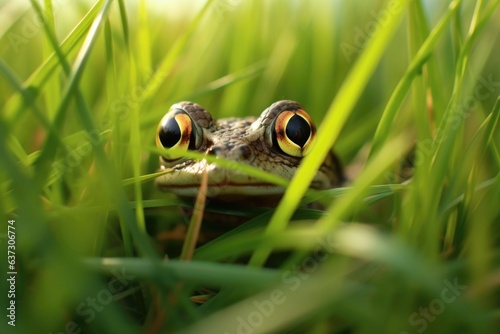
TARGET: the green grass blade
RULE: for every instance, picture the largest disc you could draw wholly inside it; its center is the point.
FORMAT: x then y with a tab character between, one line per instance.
40	76
170	58
334	119
384	126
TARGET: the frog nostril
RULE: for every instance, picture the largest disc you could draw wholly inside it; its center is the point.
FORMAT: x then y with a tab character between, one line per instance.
214	150
245	151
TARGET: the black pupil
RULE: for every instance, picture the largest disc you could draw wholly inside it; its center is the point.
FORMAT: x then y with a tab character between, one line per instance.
170	133
298	130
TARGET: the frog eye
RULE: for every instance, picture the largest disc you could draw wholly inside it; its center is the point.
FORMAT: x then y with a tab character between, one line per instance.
293	132
177	130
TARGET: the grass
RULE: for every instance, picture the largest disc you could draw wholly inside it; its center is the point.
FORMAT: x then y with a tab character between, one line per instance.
84	84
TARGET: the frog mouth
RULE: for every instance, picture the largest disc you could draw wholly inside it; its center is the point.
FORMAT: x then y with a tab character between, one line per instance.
225	188
221	181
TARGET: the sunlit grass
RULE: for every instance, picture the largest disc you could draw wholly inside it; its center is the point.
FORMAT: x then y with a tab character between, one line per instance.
83	86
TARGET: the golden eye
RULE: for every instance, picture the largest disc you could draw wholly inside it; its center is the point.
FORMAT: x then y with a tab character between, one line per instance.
177	130
293	132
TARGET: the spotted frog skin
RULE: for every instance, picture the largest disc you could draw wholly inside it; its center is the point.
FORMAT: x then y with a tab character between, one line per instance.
275	142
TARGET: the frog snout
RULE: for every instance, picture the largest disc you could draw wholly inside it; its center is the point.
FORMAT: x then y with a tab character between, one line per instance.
240	152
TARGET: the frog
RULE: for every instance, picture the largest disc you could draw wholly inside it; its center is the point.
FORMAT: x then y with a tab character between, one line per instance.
275	142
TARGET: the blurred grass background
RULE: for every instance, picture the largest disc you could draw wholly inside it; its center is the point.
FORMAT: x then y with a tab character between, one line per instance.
83	85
